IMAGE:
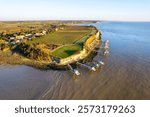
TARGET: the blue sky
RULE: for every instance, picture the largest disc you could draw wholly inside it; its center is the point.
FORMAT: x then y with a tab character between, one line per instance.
122	10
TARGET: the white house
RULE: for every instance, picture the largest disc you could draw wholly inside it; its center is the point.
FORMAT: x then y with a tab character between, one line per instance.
44	32
39	34
20	37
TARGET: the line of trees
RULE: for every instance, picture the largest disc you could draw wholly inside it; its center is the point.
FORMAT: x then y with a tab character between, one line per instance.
33	51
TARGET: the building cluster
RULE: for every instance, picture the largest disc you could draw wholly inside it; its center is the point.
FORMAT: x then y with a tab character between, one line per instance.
18	37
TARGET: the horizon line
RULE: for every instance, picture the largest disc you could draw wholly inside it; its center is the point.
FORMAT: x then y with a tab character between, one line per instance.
73	20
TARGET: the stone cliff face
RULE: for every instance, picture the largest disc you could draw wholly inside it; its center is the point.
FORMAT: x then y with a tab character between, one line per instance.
91	43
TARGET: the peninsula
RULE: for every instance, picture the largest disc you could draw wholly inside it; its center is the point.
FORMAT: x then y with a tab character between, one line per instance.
46	44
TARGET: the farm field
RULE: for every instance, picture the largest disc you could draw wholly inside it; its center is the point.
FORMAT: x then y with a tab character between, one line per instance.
19	26
68	35
11	27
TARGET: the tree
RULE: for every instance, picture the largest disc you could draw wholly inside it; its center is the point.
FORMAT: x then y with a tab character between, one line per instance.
3	46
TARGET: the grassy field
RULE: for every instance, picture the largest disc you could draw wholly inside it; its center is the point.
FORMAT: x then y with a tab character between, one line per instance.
68	35
17	26
66	50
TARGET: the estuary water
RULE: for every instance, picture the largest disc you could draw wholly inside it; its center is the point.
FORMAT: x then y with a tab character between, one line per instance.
126	74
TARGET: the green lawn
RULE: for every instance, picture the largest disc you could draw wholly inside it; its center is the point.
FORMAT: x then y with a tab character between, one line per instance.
66	51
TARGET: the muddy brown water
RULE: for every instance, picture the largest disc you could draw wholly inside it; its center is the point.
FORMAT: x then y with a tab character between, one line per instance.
126	74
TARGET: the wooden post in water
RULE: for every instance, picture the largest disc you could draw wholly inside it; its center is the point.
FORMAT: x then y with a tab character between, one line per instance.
87	66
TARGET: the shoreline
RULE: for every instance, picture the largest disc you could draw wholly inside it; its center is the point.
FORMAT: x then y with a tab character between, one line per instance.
40	65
